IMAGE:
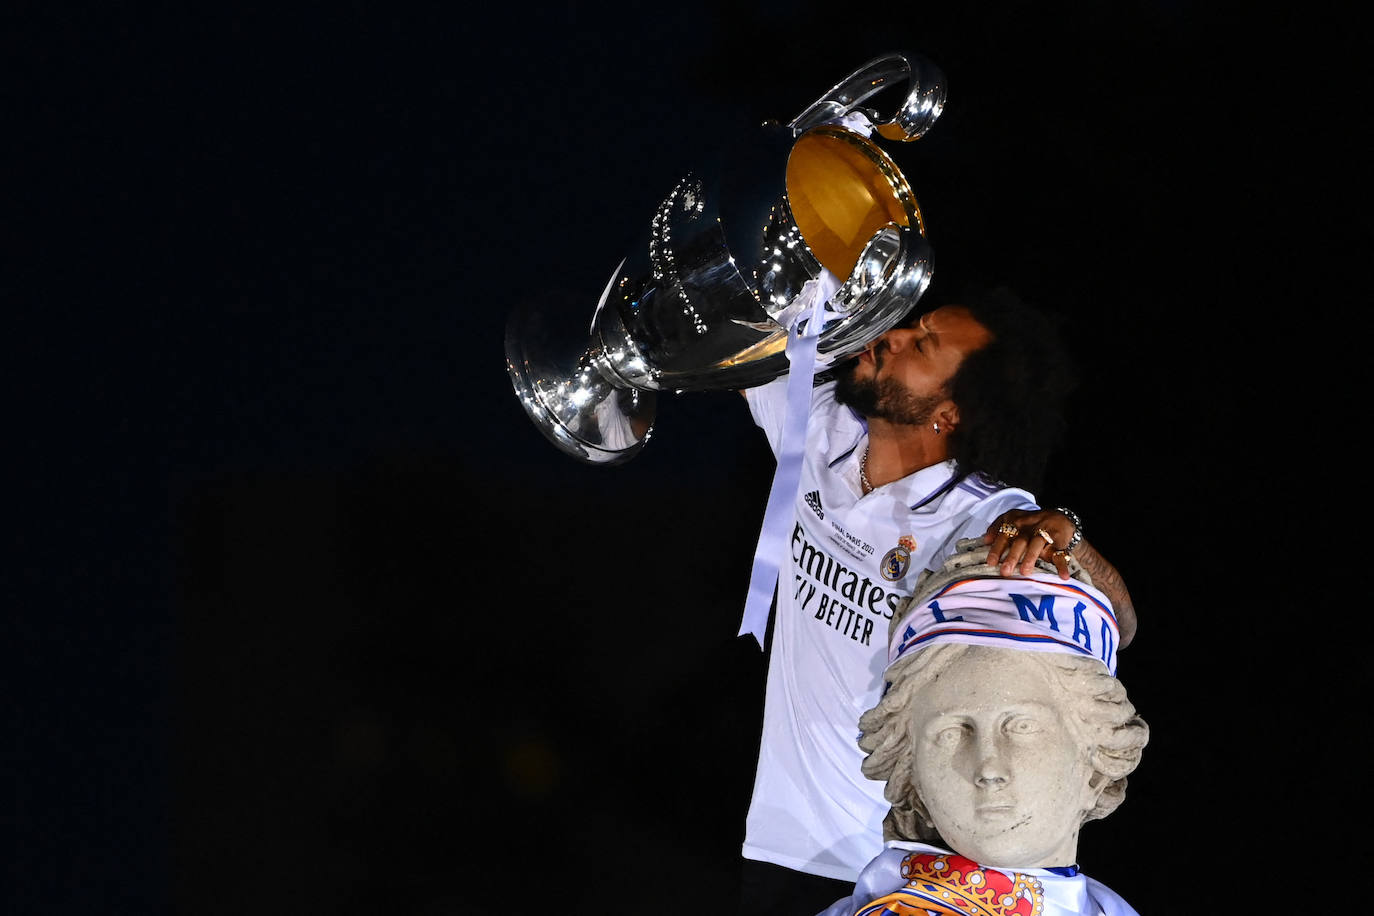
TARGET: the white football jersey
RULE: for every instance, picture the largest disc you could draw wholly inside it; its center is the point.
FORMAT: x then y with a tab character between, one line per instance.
853	561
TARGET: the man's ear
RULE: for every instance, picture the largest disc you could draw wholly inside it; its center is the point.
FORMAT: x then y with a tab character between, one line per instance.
947	416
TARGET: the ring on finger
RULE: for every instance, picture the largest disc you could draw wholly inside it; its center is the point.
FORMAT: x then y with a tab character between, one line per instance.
1008	529
1049	538
1063	555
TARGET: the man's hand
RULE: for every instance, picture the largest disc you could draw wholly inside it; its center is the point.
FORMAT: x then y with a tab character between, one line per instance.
1016	545
1017	541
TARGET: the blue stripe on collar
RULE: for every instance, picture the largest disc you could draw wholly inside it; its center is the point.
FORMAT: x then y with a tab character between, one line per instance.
842	457
940	490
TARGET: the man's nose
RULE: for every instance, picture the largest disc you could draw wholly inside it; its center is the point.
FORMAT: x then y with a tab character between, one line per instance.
899	339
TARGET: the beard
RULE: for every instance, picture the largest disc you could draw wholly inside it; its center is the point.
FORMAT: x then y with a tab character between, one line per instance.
887	399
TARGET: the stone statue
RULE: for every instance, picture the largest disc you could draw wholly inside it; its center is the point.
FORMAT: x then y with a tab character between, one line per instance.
1002	731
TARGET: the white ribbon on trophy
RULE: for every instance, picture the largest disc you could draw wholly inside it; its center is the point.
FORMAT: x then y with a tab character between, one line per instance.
814	299
804	318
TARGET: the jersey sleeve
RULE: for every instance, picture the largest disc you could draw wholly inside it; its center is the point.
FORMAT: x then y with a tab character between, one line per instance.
767	404
975	518
985	511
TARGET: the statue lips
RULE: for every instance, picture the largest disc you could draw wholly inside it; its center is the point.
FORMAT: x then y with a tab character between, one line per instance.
995	811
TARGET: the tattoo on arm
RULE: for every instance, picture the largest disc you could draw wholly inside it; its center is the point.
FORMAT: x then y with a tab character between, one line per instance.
1108	581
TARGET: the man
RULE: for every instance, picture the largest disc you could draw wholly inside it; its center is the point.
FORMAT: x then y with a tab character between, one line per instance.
998	737
912	447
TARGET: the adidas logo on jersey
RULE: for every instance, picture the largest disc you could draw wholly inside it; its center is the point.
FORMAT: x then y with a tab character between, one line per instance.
813	499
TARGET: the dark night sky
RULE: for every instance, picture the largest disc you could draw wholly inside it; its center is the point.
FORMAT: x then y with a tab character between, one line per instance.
309	618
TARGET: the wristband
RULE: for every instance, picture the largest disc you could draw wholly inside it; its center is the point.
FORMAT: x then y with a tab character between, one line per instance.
1077	528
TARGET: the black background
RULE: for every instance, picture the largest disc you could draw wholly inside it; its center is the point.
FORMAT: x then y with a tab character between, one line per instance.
307	617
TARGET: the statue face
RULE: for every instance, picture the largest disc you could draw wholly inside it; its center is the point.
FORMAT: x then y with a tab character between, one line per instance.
1004	778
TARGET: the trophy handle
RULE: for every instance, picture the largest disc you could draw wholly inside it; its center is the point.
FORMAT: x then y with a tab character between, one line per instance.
924	101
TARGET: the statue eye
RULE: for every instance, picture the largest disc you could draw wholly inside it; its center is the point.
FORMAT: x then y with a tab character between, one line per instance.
950	735
1021	725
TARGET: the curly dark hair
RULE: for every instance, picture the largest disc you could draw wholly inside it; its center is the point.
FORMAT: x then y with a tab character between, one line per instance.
1013	393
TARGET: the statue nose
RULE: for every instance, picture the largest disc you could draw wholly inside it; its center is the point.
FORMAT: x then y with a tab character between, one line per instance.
989	777
991	770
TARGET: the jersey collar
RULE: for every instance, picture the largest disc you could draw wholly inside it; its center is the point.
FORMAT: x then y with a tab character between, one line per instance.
917	489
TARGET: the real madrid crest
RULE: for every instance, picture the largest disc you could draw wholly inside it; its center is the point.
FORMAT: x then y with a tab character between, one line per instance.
953	884
898	560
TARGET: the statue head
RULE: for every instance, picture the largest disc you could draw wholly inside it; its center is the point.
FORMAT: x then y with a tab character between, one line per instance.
994	750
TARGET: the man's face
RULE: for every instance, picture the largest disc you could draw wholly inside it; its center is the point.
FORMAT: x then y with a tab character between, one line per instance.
1005	780
904	375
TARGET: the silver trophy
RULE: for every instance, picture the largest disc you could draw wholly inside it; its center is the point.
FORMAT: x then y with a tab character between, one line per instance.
700	304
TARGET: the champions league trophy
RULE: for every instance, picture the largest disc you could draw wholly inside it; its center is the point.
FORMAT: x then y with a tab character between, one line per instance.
702	303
